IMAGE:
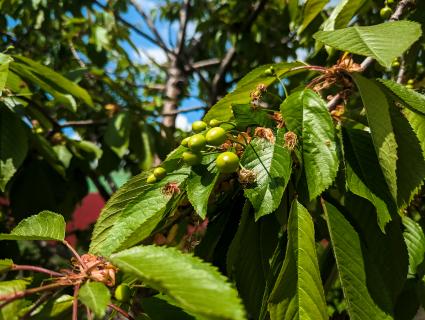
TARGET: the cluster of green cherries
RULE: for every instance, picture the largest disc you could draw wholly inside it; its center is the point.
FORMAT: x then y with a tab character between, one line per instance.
226	162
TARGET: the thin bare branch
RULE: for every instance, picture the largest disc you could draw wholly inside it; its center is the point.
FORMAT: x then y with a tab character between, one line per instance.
184	110
75	302
205	63
36	269
184	18
118	309
149	22
76	55
75	253
83	123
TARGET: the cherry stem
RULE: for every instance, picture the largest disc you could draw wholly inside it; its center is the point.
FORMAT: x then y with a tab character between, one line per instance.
75	302
36	269
118	309
8	298
75	253
89	315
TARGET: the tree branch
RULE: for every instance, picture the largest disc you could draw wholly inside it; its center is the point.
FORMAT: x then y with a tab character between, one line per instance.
75	302
118	309
399	11
36	269
184	18
205	63
82	123
149	22
173	113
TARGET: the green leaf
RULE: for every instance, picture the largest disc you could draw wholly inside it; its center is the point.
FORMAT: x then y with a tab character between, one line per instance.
5	60
417	121
353	269
364	175
54	79
298	292
342	14
5	264
96	296
410	162
248	257
306	114
117	134
272	166
195	286
46	225
57	309
13	145
11	311
311	9
381	129
409	97
201	183
415	240
246	116
159	308
374	41
222	110
136	219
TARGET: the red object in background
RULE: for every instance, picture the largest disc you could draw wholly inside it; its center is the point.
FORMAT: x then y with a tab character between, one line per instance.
84	216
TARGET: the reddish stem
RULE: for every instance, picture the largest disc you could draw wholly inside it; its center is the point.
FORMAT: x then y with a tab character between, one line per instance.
36	269
75	302
75	253
8	298
118	309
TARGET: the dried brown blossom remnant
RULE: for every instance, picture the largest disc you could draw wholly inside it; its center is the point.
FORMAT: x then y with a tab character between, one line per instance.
338	112
258	92
96	268
265	133
291	140
247	177
277	117
171	188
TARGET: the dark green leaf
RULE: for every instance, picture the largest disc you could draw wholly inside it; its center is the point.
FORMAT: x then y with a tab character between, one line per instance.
222	110
364	175
245	116
138	218
374	41
195	286
342	14
409	97
96	296
311	9
381	129
117	134
13	145
46	225
298	292
158	308
200	184
415	240
57	309
272	165
54	79
11	311
417	121
306	114
5	60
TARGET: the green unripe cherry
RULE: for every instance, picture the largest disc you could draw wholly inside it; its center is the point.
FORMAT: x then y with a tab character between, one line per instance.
227	162
199	126
411	81
216	136
214	123
395	64
385	12
159	173
151	179
123	293
191	158
409	86
269	72
185	142
197	142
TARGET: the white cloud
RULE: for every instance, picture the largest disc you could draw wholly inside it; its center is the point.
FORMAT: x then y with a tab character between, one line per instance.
182	123
157	54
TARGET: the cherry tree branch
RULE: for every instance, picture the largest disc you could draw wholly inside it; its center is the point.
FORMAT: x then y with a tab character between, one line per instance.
184	18
36	269
399	11
75	302
118	309
173	113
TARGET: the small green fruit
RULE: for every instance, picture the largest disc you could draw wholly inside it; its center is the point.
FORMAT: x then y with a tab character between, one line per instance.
123	293
159	173
216	136
197	142
191	158
151	179
227	162
389	1
395	64
185	142
199	126
385	12
411	81
409	86
214	123
269	72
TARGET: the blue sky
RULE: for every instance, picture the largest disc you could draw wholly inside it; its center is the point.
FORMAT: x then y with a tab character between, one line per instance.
168	34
